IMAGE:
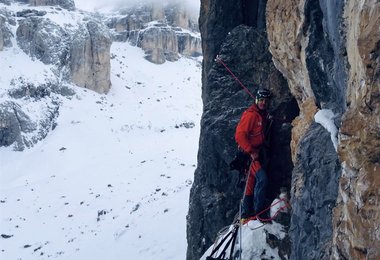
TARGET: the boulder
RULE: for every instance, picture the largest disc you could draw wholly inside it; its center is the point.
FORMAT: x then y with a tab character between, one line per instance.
14	122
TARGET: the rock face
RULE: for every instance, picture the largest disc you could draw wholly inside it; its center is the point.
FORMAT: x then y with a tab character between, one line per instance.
163	31
308	50
66	4
216	191
6	2
43	39
329	54
317	168
13	123
5	32
90	57
357	215
318	44
17	128
86	51
160	44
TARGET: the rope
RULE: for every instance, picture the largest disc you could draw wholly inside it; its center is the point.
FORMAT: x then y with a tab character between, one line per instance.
287	205
240	233
278	119
219	60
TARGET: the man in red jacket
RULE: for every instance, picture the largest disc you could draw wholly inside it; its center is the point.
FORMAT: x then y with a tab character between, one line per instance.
250	136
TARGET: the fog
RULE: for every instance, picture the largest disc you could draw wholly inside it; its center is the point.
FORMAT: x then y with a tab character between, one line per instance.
108	5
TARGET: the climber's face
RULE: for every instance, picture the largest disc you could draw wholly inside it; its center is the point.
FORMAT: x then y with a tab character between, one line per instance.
262	103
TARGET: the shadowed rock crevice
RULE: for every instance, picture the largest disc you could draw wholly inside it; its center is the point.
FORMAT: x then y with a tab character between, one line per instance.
323	55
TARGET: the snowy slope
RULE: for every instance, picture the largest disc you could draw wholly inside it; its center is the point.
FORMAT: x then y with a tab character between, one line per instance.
112	180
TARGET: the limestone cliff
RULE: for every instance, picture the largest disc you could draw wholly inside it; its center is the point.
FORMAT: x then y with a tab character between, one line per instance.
357	215
90	57
85	52
163	31
329	54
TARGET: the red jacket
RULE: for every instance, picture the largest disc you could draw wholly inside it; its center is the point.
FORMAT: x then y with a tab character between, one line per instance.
250	130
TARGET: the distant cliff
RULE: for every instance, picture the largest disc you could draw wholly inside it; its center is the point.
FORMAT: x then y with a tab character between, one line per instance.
163	31
315	56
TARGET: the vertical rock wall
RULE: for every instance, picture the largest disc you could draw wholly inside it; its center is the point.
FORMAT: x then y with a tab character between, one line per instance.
90	57
216	192
334	49
357	215
314	192
329	53
67	4
5	32
307	44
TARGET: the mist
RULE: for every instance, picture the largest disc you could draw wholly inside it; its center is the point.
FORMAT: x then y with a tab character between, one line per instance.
108	5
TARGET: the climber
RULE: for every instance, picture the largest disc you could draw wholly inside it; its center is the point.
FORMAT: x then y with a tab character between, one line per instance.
250	136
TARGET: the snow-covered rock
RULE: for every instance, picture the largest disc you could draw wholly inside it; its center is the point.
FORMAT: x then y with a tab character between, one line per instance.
5	32
29	112
67	4
43	39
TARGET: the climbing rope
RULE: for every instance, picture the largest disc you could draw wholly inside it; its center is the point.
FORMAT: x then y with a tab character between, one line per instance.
219	60
283	119
287	205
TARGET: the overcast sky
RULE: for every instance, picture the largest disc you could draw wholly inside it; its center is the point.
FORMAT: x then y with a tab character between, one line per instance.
94	5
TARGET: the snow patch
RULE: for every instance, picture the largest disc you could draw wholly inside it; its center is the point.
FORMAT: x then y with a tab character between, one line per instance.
325	117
